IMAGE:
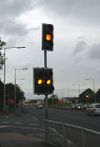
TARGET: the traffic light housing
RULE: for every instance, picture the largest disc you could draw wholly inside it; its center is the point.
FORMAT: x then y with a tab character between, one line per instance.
43	81
47	37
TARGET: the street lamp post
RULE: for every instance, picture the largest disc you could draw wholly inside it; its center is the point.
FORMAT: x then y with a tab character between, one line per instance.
5	73
15	82
78	87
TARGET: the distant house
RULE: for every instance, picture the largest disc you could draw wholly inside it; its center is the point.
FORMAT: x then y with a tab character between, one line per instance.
70	99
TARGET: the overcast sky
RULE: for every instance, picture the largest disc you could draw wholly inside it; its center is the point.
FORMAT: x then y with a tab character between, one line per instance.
76	54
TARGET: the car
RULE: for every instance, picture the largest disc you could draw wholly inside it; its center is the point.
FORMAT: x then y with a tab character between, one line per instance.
85	107
73	106
39	106
78	106
93	109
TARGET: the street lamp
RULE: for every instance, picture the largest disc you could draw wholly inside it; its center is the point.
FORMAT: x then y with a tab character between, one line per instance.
93	85
5	73
78	87
15	82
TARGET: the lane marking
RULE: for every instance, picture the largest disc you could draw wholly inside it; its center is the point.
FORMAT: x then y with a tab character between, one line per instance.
7	126
35	118
5	122
18	123
34	124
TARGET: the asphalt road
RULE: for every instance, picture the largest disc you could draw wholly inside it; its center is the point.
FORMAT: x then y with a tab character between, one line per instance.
32	121
26	124
73	117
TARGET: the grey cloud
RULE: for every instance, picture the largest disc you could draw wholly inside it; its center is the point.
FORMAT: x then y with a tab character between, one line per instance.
86	11
94	52
80	47
9	11
13	8
13	28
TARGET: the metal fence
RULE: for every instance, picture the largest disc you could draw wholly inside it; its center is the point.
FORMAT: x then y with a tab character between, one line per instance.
66	135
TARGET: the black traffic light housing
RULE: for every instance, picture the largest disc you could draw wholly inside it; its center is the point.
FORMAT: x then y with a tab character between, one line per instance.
47	37
43	80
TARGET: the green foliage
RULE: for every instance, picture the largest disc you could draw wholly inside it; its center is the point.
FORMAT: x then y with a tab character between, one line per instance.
2	44
98	96
10	88
87	96
53	99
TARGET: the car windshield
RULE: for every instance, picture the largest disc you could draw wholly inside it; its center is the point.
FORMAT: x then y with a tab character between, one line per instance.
97	106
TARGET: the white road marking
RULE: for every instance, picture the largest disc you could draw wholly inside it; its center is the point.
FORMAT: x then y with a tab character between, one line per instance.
34	124
5	122
18	123
3	126
35	118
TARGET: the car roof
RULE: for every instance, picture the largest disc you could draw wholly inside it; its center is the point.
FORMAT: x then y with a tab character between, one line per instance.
93	104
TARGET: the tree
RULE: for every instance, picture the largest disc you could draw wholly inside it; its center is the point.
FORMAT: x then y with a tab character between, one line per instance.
53	99
10	88
87	96
1	95
2	44
19	94
98	96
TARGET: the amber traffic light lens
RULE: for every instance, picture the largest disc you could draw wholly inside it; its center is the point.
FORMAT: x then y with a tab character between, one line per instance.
40	81
48	37
49	82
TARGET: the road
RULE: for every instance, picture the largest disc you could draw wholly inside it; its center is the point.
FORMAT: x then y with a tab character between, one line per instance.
32	121
73	117
26	124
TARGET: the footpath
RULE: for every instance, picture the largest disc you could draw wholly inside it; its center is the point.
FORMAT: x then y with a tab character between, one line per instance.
13	139
18	140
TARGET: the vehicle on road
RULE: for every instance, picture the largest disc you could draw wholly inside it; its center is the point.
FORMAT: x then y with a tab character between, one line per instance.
93	109
39	106
73	106
79	106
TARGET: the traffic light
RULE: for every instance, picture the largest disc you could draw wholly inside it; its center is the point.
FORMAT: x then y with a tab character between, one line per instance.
47	37
43	80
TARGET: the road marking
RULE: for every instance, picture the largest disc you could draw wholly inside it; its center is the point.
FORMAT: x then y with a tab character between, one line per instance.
5	122
34	124
18	123
4	126
7	126
35	118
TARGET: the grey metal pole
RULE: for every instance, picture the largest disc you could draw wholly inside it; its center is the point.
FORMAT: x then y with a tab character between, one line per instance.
46	100
4	79
5	73
94	90
15	89
46	96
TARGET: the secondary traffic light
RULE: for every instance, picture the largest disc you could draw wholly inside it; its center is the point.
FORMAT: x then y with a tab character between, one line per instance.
47	37
43	81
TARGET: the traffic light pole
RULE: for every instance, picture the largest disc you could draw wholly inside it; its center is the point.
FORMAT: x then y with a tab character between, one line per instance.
46	96
46	99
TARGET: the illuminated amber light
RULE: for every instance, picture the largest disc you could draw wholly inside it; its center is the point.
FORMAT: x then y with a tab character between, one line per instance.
40	81
48	82
48	37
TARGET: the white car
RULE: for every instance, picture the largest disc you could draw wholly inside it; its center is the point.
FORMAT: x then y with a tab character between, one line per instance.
93	109
39	106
